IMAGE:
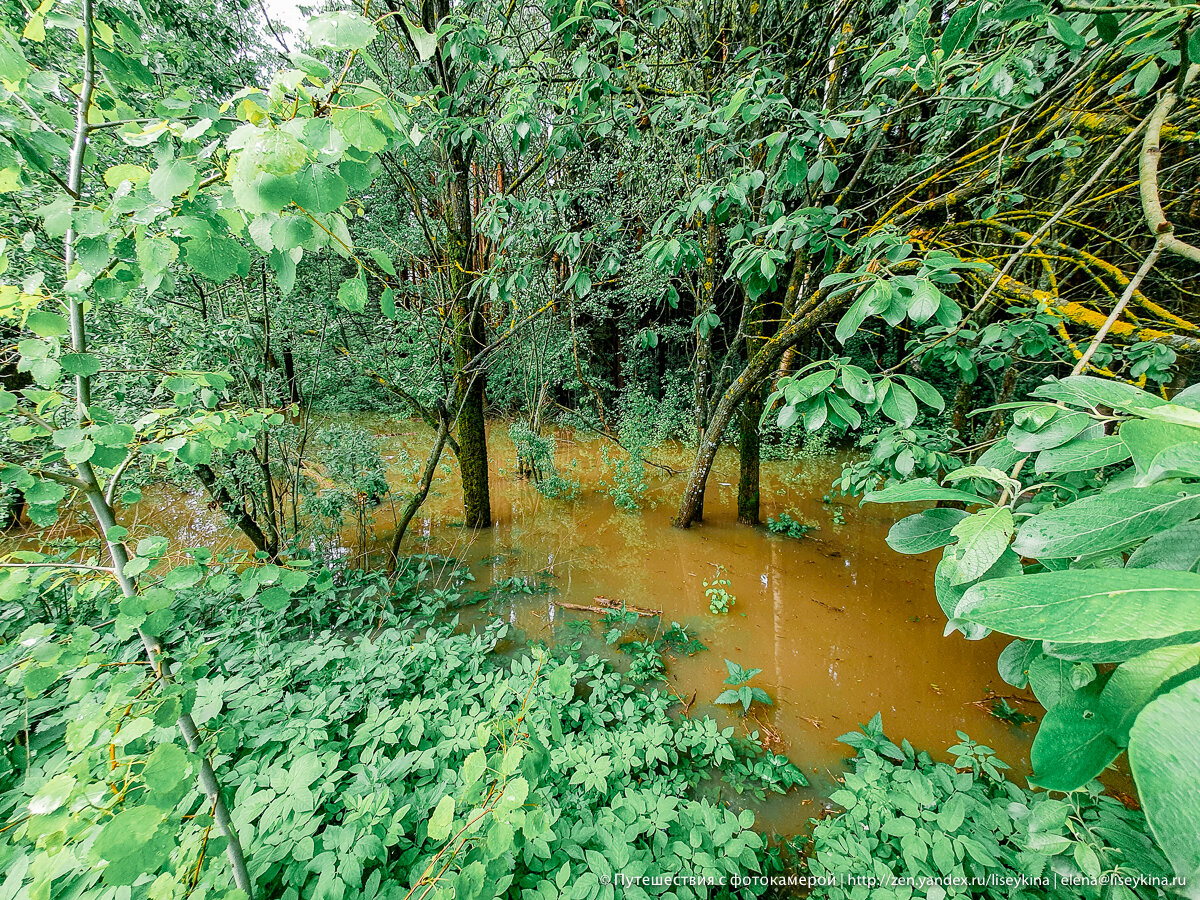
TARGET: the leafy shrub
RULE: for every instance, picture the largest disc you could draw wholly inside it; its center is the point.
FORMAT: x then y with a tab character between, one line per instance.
356	765
789	527
1099	484
897	453
928	829
535	456
625	481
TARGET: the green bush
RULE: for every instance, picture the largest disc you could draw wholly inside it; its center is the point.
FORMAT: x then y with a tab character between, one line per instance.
357	764
788	526
921	828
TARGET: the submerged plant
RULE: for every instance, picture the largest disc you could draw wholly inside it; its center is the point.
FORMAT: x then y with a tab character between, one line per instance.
741	692
1001	710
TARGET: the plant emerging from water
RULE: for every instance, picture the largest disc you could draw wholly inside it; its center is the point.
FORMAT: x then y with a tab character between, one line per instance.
788	526
535	459
741	692
717	591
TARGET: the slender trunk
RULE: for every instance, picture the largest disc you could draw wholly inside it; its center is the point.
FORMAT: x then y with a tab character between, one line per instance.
101	509
809	314
749	451
422	492
289	373
749	456
469	339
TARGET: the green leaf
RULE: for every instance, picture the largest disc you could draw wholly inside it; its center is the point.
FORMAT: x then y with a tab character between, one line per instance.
1138	681
1062	30
1088	390
1164	756
360	129
950	590
166	769
1087	605
352	294
1146	439
387	303
1178	549
79	364
424	42
318	189
1014	661
981	539
1177	461
342	30
1063	427
873	300
1072	745
917	490
216	256
442	819
1106	522
1146	78
44	323
960	30
171	179
899	406
924	392
1082	455
275	598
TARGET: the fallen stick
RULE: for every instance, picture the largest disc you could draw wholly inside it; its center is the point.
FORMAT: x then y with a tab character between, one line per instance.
605	607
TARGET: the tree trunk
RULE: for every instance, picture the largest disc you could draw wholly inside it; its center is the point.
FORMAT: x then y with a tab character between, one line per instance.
808	316
749	445
289	373
469	339
244	521
749	456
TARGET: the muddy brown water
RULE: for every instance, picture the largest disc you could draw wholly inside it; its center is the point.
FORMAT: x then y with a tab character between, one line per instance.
841	626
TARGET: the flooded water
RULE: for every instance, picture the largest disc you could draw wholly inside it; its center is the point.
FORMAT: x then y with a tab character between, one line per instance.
841	626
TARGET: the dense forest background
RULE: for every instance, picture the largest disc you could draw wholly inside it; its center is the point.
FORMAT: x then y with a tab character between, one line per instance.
957	238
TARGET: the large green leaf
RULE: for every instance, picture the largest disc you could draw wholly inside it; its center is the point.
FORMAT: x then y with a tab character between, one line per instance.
1116	651
171	179
319	189
1177	461
1072	746
924	531
1164	756
950	590
1063	427
1146	439
1082	455
1087	605
1106	522
1137	681
1097	392
216	256
917	490
1177	549
981	539
342	30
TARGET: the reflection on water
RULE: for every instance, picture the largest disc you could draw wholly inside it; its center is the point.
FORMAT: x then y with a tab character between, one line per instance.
841	626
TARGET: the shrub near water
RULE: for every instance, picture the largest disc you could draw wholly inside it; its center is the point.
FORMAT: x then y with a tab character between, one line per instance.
357	766
921	828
